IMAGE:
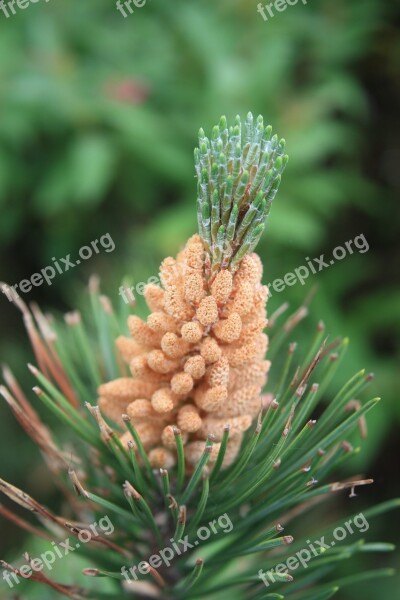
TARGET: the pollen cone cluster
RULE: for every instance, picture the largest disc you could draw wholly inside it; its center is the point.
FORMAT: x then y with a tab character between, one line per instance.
197	362
197	365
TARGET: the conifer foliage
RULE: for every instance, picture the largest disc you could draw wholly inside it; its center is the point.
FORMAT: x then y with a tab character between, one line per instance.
178	437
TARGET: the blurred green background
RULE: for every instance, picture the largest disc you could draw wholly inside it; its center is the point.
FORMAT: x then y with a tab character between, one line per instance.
99	116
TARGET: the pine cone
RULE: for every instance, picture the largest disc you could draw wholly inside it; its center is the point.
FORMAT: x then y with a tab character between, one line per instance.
198	361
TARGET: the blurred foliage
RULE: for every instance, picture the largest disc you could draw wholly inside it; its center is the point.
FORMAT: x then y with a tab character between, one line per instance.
97	129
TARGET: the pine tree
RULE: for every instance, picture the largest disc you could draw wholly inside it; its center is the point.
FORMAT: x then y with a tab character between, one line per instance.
189	452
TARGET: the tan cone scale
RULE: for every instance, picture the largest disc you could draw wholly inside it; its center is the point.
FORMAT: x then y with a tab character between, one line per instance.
198	362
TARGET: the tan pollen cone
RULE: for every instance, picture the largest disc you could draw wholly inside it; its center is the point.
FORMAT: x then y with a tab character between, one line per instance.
198	362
